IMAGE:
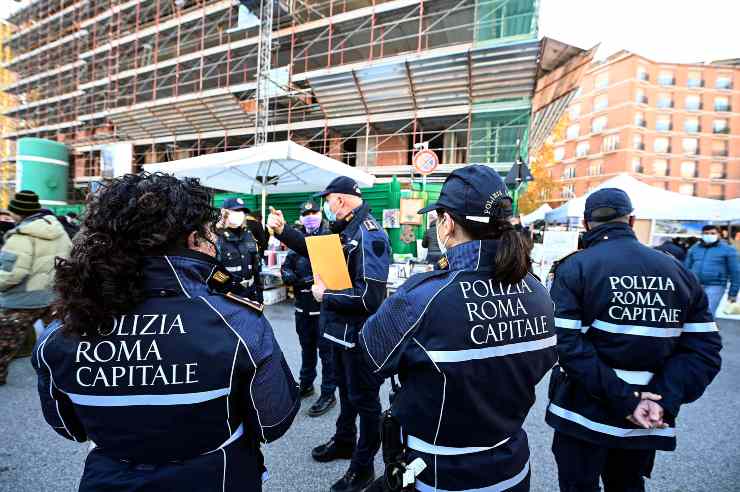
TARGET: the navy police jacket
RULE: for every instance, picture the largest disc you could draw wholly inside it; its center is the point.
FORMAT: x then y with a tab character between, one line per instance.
367	251
296	271
239	253
469	351
629	319
177	394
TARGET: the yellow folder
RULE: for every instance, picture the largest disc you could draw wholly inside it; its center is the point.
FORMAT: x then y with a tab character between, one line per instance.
327	261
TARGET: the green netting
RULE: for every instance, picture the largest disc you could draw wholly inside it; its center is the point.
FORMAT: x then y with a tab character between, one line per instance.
494	136
506	19
64	209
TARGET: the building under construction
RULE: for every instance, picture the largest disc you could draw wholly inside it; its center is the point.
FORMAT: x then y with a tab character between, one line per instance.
363	81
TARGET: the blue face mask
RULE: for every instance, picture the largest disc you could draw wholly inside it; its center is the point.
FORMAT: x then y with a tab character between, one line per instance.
330	216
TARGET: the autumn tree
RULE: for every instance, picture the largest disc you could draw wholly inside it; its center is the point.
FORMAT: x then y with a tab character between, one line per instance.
543	186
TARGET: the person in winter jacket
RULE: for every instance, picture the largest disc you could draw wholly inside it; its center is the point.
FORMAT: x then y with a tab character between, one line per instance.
27	273
7	222
716	264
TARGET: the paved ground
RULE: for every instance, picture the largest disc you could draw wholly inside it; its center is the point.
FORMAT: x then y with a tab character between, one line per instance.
33	458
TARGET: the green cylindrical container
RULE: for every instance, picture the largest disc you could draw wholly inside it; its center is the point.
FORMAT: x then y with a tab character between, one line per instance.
42	166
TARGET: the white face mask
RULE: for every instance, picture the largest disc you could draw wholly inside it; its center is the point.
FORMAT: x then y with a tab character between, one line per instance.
236	219
709	238
442	245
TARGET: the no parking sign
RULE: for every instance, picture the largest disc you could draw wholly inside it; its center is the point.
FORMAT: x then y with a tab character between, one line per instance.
425	162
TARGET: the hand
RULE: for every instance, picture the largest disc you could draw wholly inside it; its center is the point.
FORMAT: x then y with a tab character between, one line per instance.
318	289
276	221
648	414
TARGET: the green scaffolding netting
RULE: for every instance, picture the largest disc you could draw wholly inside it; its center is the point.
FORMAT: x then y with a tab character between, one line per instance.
494	136
502	19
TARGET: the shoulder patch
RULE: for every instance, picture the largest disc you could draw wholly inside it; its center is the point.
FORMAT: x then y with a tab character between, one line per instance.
443	263
378	247
253	305
370	225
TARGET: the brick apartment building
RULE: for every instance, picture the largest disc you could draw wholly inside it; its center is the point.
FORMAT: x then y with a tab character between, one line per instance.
674	126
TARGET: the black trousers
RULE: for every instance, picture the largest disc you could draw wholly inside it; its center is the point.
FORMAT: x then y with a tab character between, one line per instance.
309	336
359	395
581	463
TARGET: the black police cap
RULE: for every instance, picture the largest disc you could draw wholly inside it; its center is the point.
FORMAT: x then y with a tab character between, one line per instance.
475	193
607	204
342	184
309	207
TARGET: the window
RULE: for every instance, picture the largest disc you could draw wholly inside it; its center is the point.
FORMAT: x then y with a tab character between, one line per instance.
717	170
559	154
665	100
640	96
598	124
640	119
660	167
637	142
662	145
719	148
601	102
575	111
695	80
595	168
573	131
569	172
717	191
690	146
721	103
568	191
686	188
582	149
688	169
602	80
663	123
637	165
610	143
642	74
691	125
720	126
665	77
724	81
693	102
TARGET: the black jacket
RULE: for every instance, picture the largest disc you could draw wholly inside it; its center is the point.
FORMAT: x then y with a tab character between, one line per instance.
239	253
629	319
177	394
430	242
296	271
368	252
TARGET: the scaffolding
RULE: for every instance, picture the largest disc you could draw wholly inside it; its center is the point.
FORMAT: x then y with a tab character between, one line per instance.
360	80
7	124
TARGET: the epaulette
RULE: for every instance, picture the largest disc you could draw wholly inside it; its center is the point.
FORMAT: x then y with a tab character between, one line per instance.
418	278
370	225
443	263
253	305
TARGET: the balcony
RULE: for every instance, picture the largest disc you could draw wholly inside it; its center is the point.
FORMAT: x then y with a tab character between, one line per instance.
666	81
694	83
723	85
694	107
663	104
722	108
643	76
692	128
639	146
721	131
641	100
667	150
663	127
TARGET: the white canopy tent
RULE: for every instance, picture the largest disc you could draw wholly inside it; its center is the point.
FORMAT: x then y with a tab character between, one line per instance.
275	167
653	203
538	214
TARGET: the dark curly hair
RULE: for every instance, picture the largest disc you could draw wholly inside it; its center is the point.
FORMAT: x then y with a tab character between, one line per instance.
128	219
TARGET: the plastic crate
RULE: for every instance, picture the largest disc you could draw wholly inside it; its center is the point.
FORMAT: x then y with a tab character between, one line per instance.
274	296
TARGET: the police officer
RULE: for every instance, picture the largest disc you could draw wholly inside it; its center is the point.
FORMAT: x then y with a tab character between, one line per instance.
296	271
173	377
635	342
367	251
239	247
469	342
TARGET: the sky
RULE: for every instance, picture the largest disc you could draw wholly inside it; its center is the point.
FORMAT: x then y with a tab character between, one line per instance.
672	31
678	31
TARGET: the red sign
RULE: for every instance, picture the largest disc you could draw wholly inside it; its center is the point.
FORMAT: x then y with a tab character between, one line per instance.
425	161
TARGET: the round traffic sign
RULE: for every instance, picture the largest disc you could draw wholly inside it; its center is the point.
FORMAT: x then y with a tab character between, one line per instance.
425	161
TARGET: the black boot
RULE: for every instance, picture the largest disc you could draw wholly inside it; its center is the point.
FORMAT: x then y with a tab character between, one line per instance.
322	405
305	391
332	451
354	481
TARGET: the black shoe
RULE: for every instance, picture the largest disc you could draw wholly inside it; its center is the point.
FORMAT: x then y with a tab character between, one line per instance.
322	405
306	391
332	451
354	481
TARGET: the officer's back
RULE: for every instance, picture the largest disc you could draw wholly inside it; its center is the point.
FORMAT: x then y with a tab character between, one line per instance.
469	342
175	379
